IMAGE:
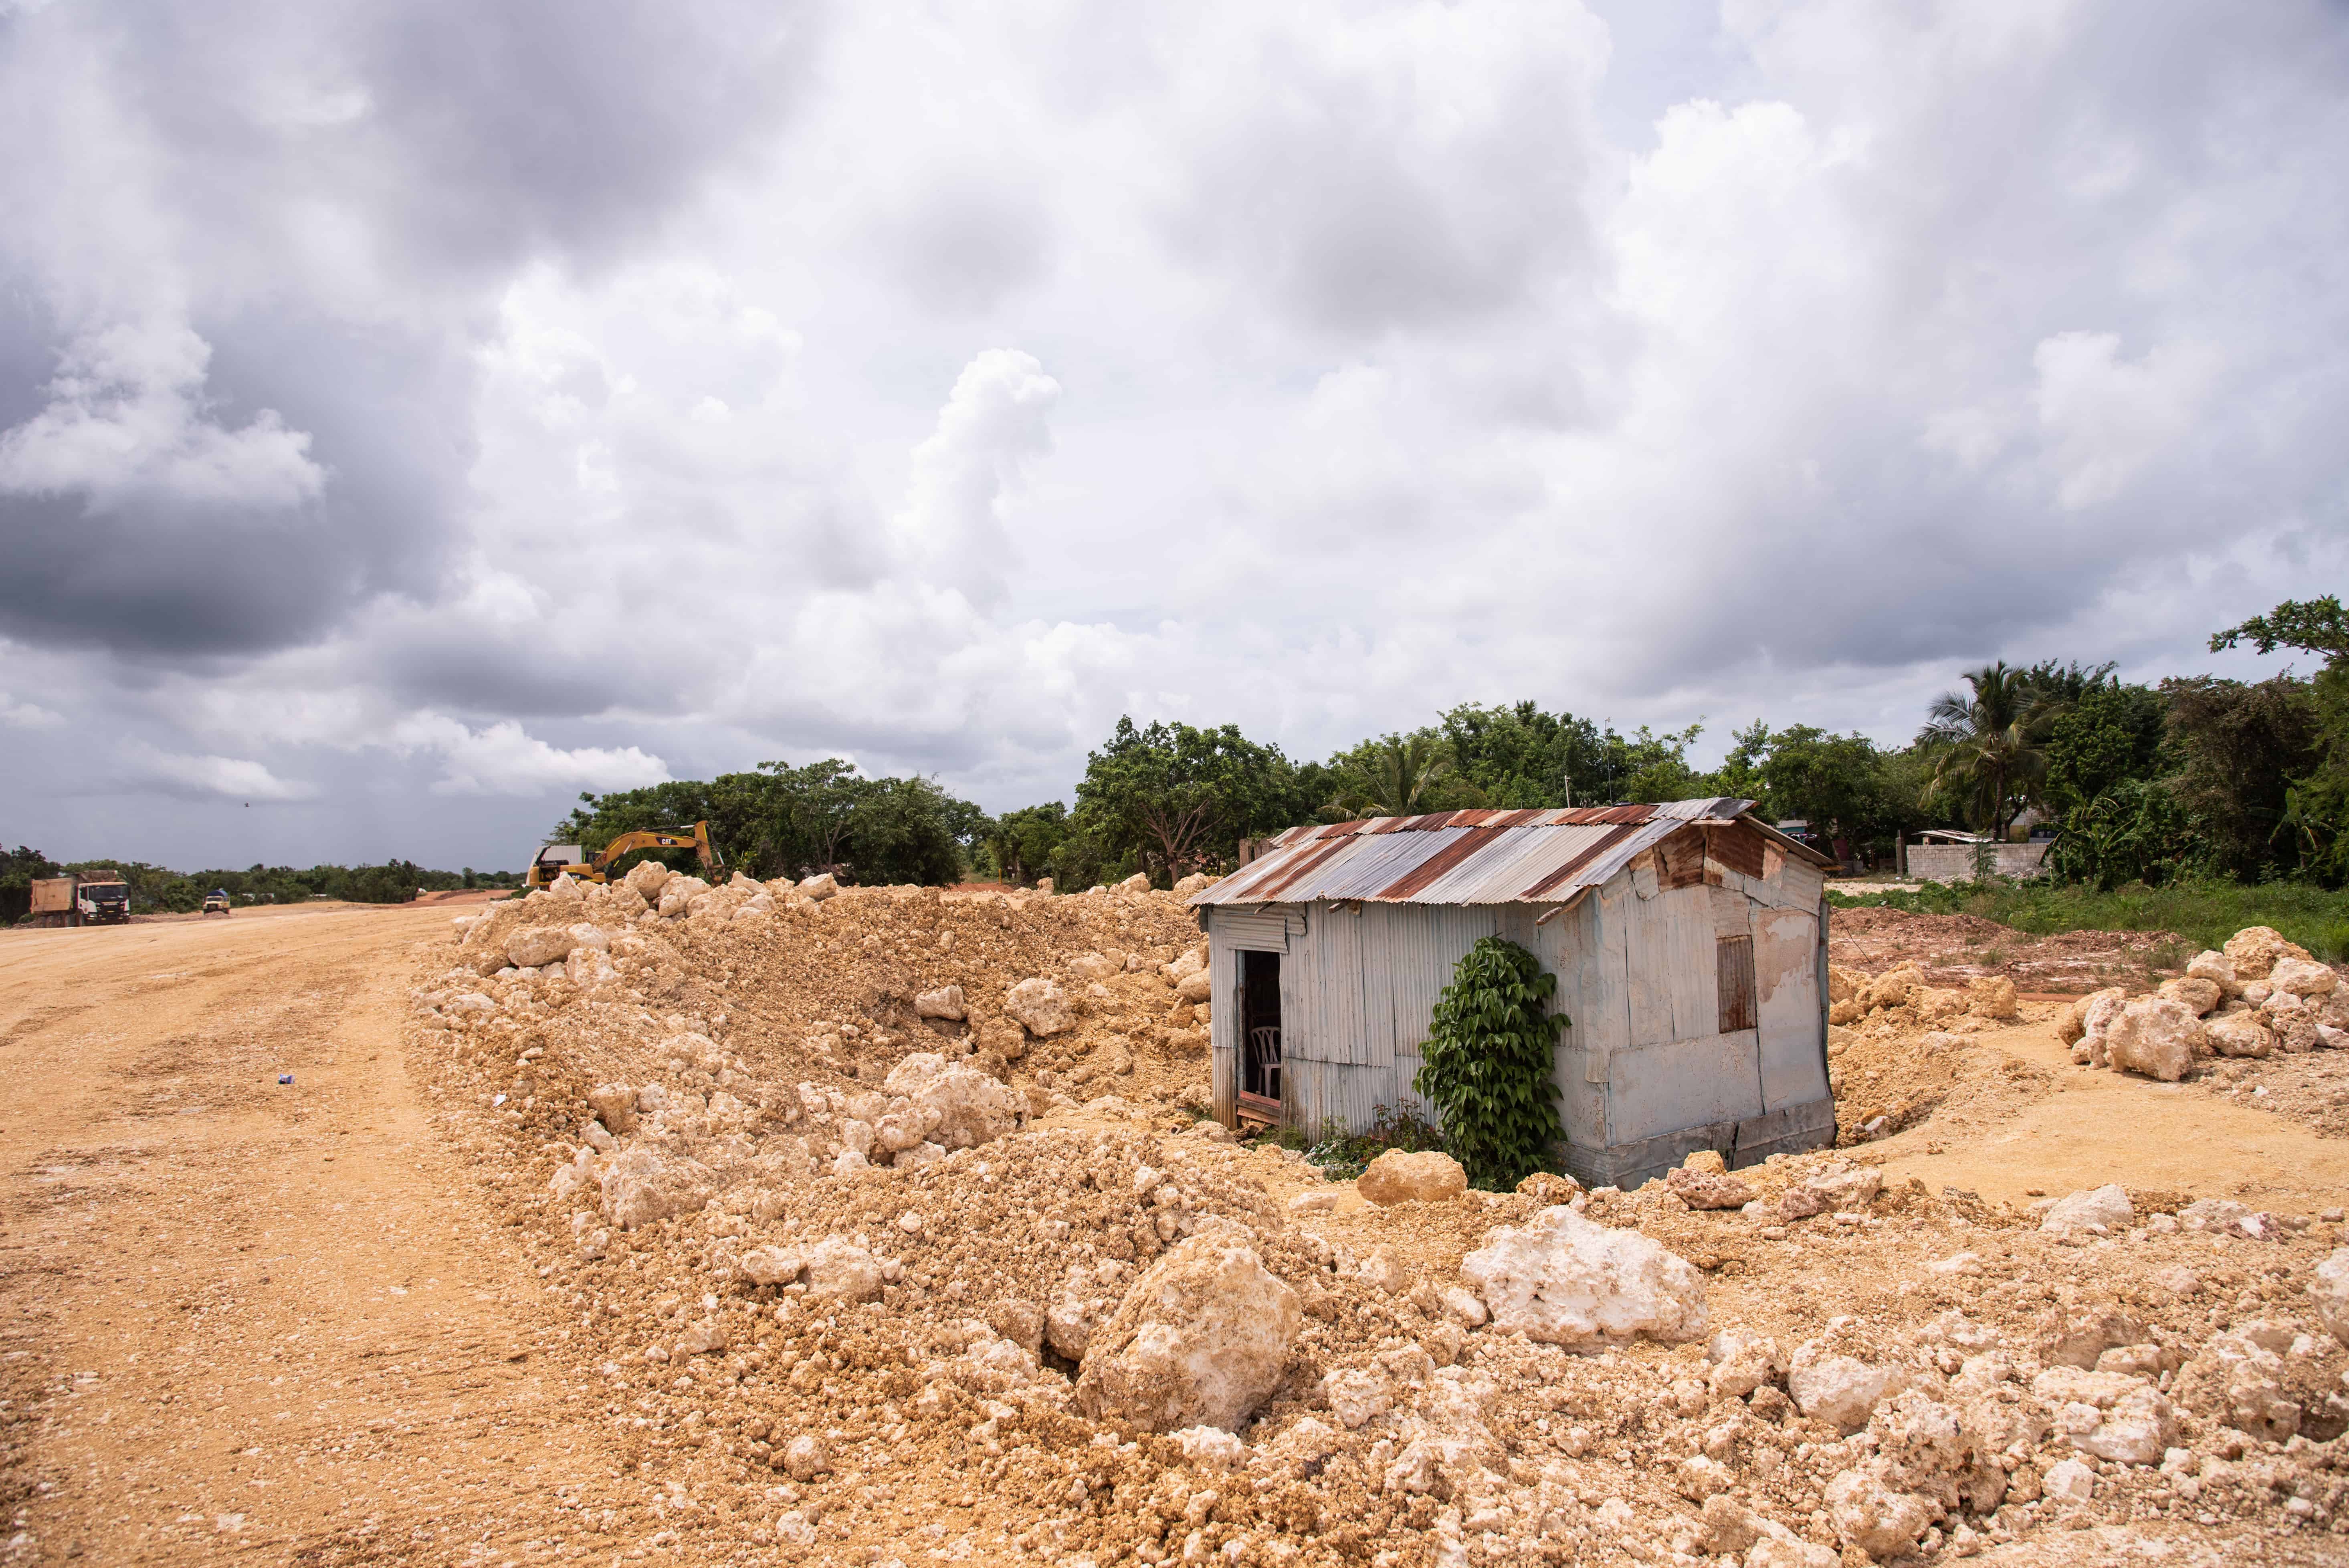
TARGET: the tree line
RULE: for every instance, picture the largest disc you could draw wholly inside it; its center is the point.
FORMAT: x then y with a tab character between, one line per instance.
2191	777
159	890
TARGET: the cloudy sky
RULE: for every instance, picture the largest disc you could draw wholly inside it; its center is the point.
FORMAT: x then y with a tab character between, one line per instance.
414	414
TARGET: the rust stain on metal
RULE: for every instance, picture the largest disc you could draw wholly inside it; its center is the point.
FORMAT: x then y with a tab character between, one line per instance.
1291	875
1430	870
1565	873
1737	846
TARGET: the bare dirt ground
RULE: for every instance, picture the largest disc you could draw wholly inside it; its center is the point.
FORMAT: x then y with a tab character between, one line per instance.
1954	948
359	1319
251	1319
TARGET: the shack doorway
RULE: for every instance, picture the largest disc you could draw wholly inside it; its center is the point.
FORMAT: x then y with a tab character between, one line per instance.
1260	1036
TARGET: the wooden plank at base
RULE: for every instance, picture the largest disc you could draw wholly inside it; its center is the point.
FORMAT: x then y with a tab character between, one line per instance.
1256	1108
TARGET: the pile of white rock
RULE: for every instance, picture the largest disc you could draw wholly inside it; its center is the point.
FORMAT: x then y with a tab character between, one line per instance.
2257	995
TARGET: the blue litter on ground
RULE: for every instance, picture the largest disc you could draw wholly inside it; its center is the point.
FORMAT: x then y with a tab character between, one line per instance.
285	1078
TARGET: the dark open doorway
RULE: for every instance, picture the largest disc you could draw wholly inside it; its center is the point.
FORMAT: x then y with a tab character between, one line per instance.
1260	1034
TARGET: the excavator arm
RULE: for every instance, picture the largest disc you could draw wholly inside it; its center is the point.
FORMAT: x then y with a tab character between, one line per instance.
695	839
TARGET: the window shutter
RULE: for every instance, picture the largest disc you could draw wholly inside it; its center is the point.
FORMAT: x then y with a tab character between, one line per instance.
1735	970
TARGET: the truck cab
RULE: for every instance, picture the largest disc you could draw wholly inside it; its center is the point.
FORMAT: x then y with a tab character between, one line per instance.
102	902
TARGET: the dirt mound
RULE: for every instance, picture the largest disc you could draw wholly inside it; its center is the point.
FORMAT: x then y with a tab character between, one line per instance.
1953	948
816	1326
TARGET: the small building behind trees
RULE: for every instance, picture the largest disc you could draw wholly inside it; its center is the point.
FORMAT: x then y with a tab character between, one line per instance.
1689	941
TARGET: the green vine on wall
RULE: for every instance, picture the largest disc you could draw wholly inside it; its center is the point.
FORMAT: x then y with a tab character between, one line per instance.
1488	1065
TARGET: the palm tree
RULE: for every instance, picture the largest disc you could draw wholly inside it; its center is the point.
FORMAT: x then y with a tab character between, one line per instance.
1398	778
1988	745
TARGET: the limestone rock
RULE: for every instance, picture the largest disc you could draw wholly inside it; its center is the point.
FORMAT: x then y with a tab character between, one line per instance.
1205	1446
1706	1189
2239	1035
1563	1280
2154	1036
1841	1390
1845	984
1197	882
806	1457
2217	968
1993	997
614	1105
645	879
1547	1187
641	1185
1790	1550
1875	1517
1139	882
2330	1292
2303	978
2068	1482
2072	1024
1356	1396
820	887
838	1269
2290	1020
538	946
1891	988
2107	1207
1041	1008
1094	968
1395	1177
1197	986
1845	1187
770	1265
2237	1382
945	1002
1200	1339
1741	1363
2193	991
2111	1415
961	1107
2255	949
678	895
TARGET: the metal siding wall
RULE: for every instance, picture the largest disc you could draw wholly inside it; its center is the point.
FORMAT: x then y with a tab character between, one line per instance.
1568	947
1786	973
1223	1025
1675	1084
1692	968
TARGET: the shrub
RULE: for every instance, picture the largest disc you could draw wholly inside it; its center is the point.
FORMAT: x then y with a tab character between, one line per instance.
1488	1065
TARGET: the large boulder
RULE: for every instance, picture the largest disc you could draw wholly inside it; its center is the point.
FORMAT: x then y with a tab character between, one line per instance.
1041	1008
2239	1035
645	879
1197	882
2290	1020
2303	978
2218	968
1201	1339
1195	987
1877	1517
2194	992
2255	949
537	946
678	895
2072	1023
1395	1177
959	1106
1892	987
1563	1280
1700	1187
822	886
641	1185
2154	1036
1993	997
1139	882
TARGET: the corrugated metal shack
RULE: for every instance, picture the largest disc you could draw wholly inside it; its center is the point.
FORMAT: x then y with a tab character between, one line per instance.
1689	943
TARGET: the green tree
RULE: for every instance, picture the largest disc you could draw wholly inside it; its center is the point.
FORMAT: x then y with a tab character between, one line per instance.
1019	845
1172	799
1988	742
1488	1066
2242	747
2315	817
1397	776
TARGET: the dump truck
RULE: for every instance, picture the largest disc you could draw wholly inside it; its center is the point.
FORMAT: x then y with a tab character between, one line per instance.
89	898
216	902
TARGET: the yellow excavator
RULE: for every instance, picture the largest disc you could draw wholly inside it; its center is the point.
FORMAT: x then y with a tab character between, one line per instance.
566	860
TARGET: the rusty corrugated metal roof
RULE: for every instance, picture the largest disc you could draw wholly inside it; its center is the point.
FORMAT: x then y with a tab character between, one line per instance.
1480	856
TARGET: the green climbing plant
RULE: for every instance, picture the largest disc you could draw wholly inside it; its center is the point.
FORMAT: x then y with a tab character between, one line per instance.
1487	1065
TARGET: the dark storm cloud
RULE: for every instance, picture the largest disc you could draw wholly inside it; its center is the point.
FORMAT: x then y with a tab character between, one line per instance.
443	145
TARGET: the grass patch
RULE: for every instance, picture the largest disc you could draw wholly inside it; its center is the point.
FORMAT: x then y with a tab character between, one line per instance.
2205	914
1342	1156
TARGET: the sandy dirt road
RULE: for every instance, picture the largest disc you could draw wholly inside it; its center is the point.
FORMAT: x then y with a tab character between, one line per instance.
256	1321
